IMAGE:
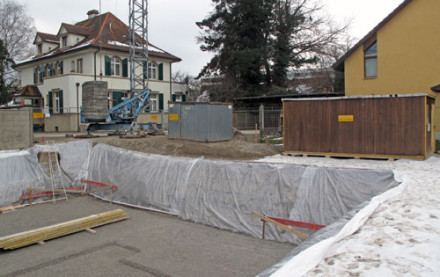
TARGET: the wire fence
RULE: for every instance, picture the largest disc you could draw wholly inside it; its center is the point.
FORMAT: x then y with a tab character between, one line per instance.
266	121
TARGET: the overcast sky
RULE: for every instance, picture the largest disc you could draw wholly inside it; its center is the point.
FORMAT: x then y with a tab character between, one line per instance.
172	22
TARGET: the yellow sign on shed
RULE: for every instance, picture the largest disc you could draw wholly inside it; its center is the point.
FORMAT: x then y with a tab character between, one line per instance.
38	115
173	117
346	118
154	117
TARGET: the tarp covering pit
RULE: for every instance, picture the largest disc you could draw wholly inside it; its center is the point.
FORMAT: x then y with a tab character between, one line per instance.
224	193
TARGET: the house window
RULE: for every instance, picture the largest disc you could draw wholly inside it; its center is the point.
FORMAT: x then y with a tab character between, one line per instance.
153	102
47	70
72	67
40	49
55	99
116	66
64	41
152	70
79	66
156	102
370	56
58	68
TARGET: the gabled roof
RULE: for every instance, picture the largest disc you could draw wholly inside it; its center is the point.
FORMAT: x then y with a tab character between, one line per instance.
104	32
339	64
73	29
29	91
47	37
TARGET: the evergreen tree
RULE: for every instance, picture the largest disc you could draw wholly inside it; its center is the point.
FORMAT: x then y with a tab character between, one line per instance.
236	31
256	42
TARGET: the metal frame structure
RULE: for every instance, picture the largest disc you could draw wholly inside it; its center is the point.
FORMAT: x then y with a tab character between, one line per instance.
138	20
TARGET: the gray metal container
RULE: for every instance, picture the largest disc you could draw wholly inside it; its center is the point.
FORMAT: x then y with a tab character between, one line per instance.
206	122
95	101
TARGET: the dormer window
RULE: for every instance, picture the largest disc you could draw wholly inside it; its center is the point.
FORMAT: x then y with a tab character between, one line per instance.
64	41
40	49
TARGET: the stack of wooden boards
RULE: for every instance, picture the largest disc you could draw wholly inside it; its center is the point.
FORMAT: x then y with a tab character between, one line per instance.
58	230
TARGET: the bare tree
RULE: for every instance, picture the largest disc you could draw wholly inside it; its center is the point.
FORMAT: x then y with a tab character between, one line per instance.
16	29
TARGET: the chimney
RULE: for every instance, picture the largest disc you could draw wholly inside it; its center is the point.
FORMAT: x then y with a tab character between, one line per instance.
92	13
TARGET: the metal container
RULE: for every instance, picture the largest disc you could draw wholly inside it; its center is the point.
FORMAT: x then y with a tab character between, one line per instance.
95	101
206	122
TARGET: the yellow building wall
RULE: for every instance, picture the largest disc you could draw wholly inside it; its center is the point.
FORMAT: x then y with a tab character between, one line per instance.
408	56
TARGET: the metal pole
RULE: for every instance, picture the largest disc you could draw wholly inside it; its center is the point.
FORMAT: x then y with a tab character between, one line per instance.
77	104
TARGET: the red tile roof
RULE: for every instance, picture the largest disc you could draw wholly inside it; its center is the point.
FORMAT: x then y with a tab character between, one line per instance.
47	37
103	31
73	29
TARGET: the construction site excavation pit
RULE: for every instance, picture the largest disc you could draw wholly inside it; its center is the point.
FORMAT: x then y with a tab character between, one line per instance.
187	217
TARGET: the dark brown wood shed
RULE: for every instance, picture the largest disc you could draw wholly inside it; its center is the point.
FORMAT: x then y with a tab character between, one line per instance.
397	126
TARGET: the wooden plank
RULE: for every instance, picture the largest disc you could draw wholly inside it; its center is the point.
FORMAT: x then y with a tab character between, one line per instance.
9	208
58	230
279	225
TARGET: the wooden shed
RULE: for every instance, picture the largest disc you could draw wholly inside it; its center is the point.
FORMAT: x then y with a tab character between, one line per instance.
397	126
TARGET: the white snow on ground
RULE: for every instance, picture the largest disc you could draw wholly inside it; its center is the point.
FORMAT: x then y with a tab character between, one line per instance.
397	234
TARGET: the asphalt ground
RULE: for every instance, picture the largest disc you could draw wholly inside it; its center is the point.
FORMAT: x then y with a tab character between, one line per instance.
147	244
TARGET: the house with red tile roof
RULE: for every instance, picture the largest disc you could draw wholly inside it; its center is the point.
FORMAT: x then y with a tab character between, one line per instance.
96	49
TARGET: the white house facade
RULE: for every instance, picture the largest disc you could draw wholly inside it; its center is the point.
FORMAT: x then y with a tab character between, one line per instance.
96	49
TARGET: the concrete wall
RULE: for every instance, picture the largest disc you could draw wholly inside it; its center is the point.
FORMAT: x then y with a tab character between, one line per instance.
16	129
158	118
62	122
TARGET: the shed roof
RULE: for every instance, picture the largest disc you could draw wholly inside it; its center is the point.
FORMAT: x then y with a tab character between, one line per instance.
29	91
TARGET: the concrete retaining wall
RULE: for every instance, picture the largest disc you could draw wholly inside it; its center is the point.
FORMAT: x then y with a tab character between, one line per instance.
61	123
16	130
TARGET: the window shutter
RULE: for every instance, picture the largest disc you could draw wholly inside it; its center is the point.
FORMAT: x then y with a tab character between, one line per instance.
108	65
61	68
35	75
117	98
50	103
174	98
160	101
60	94
161	71
41	74
125	67
145	69
183	98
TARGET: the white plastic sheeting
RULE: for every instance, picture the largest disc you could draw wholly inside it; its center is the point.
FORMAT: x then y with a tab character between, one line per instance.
18	171
21	170
223	193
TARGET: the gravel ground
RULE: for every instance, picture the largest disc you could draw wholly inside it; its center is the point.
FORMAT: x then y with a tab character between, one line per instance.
147	244
241	147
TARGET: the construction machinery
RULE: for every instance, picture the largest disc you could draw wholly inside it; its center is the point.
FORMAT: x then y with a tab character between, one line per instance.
123	116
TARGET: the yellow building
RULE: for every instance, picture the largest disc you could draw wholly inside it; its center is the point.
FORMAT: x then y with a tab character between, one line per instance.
401	55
